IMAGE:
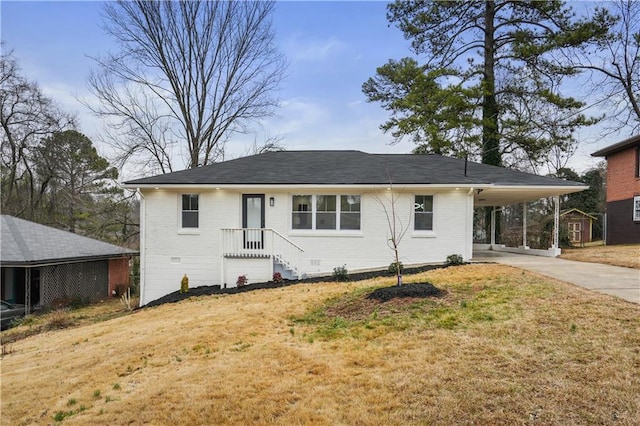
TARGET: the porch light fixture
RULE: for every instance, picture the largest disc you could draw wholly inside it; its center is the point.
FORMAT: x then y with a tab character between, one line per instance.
272	201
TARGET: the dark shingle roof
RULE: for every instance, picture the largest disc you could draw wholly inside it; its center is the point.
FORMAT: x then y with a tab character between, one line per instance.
612	149
347	168
29	243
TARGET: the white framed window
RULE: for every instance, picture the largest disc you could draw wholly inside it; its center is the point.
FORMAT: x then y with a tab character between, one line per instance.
636	208
350	212
189	211
423	213
302	215
326	212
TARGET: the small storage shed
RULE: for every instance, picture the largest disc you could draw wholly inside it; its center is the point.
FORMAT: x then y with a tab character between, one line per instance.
40	264
579	226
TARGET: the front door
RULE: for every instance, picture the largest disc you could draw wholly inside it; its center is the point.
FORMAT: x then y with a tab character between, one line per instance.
253	217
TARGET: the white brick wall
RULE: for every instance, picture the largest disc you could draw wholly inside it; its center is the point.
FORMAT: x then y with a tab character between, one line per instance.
169	253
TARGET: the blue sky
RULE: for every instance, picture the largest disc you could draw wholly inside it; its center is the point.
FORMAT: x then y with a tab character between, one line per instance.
332	48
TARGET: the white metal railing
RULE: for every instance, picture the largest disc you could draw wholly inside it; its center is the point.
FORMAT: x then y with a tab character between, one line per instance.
261	242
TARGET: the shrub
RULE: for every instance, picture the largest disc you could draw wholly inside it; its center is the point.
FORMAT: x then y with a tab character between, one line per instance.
395	268
563	237
242	281
125	299
454	259
277	277
340	273
184	284
120	289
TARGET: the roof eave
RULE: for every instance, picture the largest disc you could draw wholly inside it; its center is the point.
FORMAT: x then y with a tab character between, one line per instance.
67	260
617	147
574	188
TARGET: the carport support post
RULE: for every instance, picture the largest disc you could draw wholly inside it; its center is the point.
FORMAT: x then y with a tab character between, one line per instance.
524	224
27	290
493	227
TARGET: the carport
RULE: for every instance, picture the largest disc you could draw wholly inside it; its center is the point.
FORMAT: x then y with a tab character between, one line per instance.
498	196
40	264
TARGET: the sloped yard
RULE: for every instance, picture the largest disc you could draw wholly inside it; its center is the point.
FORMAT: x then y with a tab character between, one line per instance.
497	346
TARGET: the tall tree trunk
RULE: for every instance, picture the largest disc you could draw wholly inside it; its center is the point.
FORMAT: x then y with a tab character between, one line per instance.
490	135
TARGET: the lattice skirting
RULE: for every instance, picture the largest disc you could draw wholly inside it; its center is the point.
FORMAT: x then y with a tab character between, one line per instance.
87	280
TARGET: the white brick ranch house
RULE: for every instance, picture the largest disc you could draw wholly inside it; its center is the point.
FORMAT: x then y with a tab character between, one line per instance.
306	212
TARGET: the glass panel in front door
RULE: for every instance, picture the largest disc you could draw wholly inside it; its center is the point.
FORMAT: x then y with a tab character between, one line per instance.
254	220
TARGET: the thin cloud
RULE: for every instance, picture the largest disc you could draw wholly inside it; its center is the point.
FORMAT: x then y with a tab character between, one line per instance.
311	50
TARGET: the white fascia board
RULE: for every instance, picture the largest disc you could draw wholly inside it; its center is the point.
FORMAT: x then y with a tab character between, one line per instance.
551	188
304	186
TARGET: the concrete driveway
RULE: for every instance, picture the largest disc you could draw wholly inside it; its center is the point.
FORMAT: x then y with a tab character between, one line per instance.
613	280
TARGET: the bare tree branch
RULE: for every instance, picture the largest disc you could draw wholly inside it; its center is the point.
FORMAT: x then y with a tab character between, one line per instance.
189	74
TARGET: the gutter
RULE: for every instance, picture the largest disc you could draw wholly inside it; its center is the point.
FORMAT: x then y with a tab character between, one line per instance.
53	262
143	246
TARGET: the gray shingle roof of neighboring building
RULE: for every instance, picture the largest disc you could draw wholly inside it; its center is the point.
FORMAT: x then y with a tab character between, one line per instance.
348	168
612	149
27	243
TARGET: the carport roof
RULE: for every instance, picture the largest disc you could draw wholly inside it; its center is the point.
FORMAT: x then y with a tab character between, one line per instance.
26	243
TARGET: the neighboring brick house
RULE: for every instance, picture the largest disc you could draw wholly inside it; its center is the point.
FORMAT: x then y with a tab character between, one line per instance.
623	191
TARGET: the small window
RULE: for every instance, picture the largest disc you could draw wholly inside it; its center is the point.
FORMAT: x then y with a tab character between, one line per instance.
423	208
350	212
302	211
189	210
636	208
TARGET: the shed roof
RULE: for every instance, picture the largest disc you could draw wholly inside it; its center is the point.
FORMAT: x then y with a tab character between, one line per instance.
26	243
617	147
348	168
578	211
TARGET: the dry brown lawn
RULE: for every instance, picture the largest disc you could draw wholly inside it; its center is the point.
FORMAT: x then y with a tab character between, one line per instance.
502	347
618	255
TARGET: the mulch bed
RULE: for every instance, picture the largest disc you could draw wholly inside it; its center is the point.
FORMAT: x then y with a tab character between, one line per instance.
388	292
418	290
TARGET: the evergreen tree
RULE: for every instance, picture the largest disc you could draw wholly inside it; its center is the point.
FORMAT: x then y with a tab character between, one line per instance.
489	84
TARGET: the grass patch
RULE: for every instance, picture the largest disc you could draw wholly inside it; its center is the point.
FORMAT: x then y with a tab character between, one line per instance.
464	305
627	255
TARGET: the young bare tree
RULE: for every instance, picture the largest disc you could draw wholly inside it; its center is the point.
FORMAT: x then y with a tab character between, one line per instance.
397	227
188	75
